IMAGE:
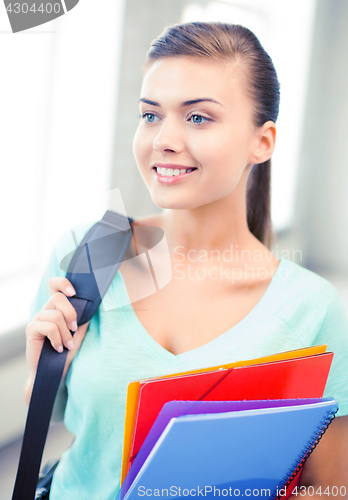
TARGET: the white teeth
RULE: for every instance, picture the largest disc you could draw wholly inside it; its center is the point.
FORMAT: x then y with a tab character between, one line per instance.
170	172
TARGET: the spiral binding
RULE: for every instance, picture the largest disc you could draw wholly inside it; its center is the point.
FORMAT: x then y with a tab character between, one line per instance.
309	449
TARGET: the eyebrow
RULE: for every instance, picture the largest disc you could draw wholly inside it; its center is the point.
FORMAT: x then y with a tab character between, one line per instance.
182	104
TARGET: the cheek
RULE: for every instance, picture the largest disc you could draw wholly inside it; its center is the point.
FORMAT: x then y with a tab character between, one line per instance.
203	147
223	157
225	150
142	146
213	151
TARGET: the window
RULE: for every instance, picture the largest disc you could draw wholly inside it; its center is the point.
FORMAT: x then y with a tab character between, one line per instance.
58	104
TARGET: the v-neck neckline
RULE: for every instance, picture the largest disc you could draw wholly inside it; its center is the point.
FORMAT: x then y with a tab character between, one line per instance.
131	317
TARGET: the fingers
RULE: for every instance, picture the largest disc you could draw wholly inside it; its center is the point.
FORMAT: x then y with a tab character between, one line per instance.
56	320
52	324
59	302
61	285
78	339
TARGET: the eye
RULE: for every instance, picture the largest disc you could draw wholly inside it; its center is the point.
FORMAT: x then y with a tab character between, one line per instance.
150	117
199	119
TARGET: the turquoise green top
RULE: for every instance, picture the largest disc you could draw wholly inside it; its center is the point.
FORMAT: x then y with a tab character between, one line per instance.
298	309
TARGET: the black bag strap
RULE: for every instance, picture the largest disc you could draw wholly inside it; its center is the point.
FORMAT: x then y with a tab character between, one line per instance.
92	268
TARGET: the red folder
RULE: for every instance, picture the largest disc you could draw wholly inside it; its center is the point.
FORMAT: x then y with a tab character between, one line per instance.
294	378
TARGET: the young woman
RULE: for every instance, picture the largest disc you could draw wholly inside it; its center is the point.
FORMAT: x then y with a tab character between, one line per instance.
208	107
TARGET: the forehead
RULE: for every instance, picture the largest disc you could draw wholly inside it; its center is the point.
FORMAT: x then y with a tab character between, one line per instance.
177	78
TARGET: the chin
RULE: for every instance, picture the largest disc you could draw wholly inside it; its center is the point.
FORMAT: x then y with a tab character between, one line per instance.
187	199
172	206
165	203
185	203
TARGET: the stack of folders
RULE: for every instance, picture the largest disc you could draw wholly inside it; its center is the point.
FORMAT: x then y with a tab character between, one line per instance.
242	429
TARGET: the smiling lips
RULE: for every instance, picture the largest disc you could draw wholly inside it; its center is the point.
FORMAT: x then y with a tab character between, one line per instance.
169	173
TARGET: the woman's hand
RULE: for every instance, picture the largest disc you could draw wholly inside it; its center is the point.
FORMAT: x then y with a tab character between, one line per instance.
55	320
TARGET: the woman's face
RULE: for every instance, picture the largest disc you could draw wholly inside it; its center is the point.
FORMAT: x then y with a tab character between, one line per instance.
194	114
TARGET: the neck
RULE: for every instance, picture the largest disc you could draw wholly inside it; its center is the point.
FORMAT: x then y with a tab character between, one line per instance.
214	226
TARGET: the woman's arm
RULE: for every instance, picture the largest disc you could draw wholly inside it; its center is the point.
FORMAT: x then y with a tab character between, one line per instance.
53	321
325	474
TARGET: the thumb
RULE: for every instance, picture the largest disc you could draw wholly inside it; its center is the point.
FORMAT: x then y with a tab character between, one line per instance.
78	337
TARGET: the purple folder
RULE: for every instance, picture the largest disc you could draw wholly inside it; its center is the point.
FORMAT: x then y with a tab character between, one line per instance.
174	409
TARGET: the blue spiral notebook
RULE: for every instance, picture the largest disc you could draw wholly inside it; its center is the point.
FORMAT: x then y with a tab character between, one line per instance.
252	452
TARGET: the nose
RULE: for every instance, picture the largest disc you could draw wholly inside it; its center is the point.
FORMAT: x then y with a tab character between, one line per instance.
169	138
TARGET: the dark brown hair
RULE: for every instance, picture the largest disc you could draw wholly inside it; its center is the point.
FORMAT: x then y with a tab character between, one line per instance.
232	42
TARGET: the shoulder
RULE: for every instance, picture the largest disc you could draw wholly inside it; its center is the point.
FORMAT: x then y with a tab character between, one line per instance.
147	233
58	262
305	284
67	243
304	298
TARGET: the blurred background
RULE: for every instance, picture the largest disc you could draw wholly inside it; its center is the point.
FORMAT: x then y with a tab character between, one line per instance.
69	93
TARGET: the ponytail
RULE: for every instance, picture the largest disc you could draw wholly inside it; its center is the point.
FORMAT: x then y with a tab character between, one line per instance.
259	202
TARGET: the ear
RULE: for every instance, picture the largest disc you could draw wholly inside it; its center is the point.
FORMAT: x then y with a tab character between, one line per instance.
264	143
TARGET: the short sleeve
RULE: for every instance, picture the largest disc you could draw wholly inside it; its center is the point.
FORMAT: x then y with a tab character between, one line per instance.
334	333
43	292
57	265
